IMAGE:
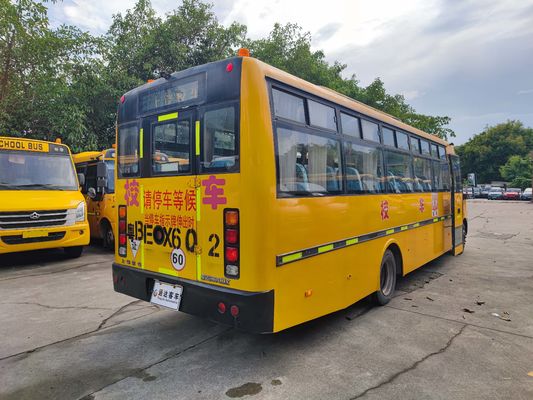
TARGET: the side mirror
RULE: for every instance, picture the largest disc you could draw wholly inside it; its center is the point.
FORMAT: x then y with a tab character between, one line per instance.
101	176
91	192
81	179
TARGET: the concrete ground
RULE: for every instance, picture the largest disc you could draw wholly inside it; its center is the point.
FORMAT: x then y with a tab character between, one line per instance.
66	335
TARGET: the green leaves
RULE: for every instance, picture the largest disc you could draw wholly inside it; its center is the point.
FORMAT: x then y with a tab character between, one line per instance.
487	152
518	171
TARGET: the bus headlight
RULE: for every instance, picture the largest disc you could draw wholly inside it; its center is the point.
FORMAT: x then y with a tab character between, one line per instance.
80	212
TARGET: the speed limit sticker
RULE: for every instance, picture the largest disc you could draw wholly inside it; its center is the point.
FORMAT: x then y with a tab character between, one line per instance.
177	258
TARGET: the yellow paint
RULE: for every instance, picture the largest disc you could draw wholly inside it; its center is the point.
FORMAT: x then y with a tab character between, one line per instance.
167	117
530	373
273	228
7	143
40	201
103	210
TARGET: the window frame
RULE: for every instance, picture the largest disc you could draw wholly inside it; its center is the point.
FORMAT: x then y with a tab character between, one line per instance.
199	170
192	156
140	161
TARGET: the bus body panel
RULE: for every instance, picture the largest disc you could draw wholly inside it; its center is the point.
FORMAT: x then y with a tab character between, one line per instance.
30	208
103	210
319	278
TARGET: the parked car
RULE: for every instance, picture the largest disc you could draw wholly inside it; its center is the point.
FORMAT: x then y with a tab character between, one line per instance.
512	194
526	194
495	193
485	192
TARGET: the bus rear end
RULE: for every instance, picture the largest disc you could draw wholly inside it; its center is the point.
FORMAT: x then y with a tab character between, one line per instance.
180	212
41	205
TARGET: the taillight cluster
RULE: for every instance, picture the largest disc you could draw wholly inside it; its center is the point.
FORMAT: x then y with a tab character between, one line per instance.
122	237
231	243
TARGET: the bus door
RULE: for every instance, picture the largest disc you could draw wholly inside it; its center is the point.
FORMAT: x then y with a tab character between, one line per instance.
167	219
457	206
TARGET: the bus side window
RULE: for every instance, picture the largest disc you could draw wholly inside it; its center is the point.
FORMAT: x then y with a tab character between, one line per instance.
423	175
399	172
363	168
308	163
220	140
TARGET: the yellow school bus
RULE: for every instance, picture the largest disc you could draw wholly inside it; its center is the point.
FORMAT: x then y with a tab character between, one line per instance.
98	169
41	205
280	201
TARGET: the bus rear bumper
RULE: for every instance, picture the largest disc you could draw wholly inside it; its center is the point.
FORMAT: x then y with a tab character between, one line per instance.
256	309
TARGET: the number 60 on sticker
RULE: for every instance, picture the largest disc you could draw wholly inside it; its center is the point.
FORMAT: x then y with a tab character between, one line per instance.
177	258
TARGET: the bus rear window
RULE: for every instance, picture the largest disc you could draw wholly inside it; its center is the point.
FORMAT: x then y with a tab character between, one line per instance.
128	151
172	148
220	142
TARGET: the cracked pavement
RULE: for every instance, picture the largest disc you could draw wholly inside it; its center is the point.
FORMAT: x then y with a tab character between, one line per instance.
67	335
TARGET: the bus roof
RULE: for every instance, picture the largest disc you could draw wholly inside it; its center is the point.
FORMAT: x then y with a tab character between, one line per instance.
340	99
87	156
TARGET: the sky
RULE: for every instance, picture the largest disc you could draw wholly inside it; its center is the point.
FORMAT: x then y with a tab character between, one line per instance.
471	60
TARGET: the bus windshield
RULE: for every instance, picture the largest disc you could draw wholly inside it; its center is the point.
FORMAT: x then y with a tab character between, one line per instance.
110	176
33	171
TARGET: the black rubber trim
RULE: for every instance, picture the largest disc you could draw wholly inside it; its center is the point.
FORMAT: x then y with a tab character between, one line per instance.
256	309
298	255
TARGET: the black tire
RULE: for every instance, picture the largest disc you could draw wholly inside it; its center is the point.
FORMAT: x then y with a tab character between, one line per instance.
387	279
73	252
108	237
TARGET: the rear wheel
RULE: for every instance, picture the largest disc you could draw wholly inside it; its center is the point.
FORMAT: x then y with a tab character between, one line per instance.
107	236
73	252
387	279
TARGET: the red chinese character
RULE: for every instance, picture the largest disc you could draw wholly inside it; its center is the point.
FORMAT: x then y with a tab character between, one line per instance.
421	205
167	199
132	192
149	218
180	221
214	195
384	210
156	219
148	199
157	199
173	220
178	199
190	200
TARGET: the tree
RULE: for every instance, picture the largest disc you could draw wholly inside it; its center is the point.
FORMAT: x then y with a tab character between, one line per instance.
486	152
518	171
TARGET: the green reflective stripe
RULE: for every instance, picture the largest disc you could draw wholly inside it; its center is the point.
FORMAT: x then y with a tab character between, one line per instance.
166	117
313	251
197	137
325	248
291	257
141	140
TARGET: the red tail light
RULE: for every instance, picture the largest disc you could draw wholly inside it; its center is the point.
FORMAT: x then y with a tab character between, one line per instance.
231	243
231	236
122	226
234	310
232	254
221	308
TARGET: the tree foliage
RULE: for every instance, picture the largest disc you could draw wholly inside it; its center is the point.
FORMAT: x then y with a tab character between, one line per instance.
65	83
518	171
485	153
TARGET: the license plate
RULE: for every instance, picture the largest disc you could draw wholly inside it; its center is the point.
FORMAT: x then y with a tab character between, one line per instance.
32	234
166	295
